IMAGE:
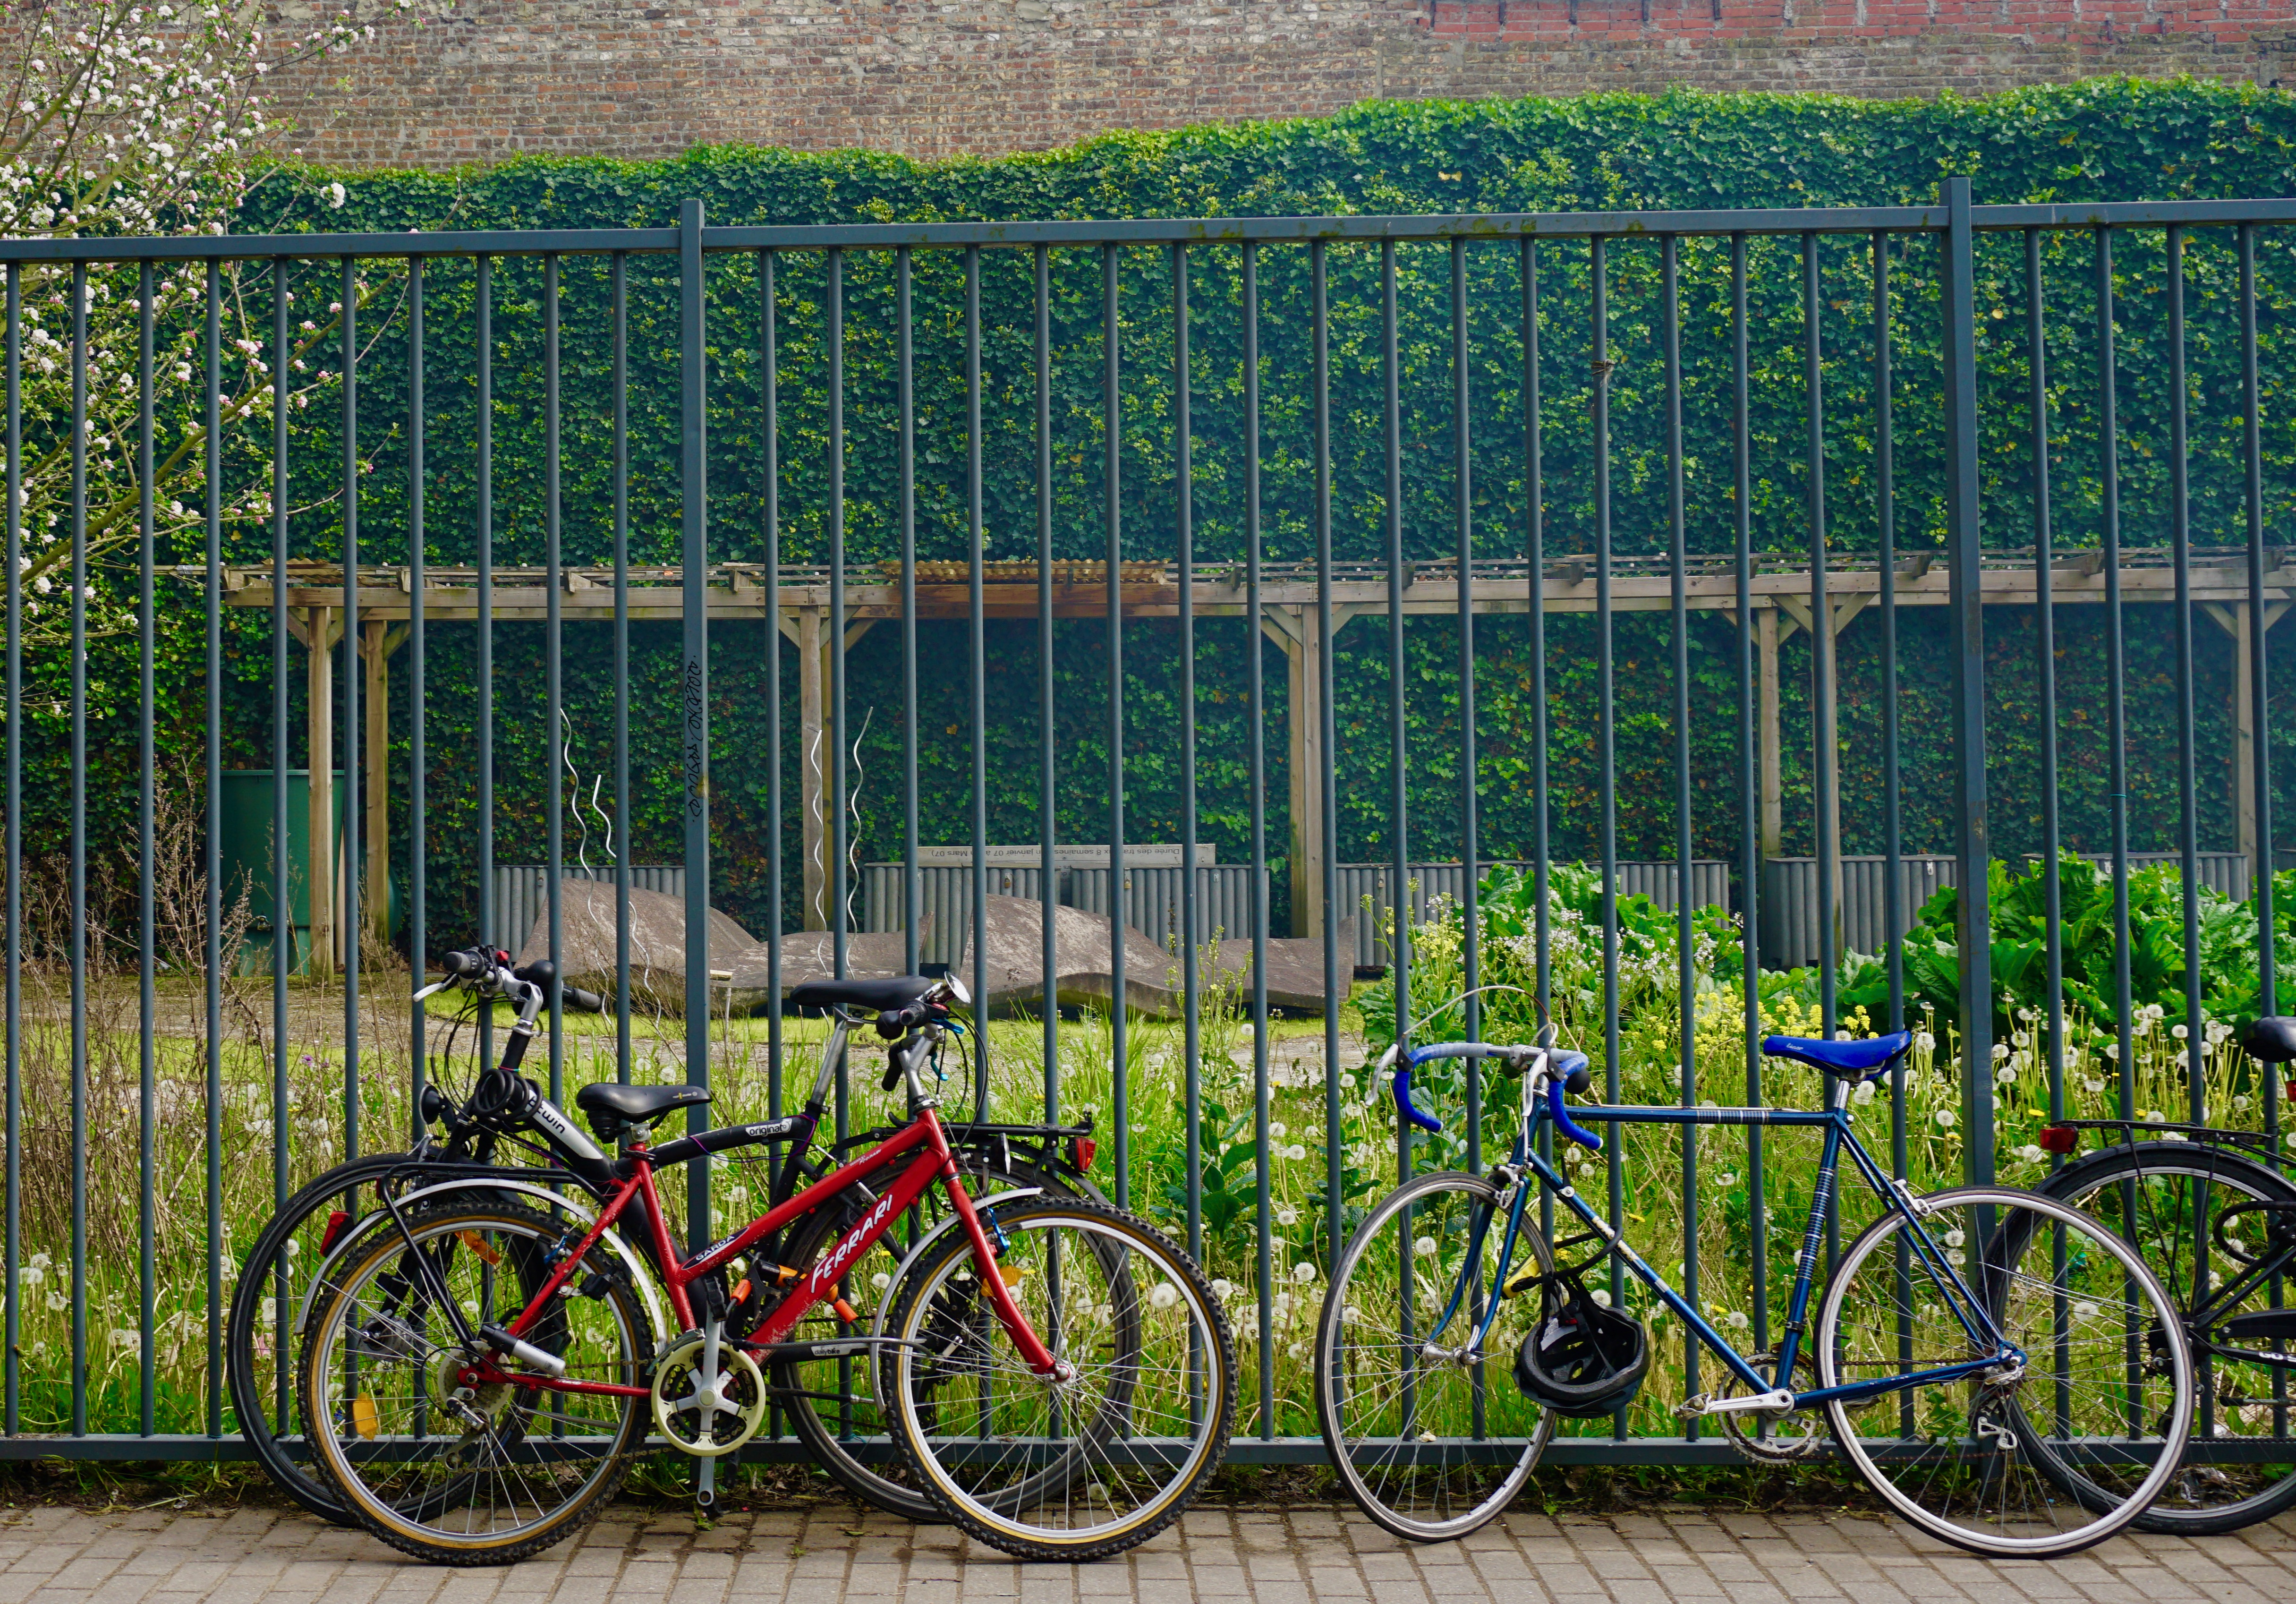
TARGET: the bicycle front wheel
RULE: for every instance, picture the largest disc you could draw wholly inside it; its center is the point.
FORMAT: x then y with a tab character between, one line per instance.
2202	1217
2100	1371
442	1469
1089	1464
1425	1425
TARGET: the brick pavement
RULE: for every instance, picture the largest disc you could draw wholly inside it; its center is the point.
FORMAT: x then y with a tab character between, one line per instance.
1255	1556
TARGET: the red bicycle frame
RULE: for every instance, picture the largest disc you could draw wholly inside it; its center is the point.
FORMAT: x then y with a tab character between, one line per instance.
925	1145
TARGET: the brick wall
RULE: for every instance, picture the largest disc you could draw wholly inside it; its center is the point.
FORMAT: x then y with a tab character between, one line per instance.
491	78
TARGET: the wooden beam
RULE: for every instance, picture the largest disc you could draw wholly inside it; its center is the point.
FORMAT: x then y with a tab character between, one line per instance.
2235	620
1766	642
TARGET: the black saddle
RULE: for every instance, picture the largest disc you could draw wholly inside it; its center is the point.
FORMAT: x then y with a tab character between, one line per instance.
610	1105
877	996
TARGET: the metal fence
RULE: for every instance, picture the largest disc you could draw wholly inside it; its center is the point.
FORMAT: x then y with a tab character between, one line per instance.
1559	443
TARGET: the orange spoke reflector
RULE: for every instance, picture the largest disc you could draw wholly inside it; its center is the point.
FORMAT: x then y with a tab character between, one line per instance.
1012	1273
365	1419
479	1246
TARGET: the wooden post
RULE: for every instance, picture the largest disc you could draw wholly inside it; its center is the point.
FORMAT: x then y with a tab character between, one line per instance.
1296	630
2233	620
375	646
1766	641
319	638
808	627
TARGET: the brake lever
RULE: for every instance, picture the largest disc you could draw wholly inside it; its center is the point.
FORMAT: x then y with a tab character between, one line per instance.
432	991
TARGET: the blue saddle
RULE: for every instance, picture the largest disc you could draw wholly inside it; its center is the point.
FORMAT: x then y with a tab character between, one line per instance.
1860	1059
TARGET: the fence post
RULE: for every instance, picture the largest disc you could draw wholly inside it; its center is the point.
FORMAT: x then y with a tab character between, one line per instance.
695	557
1973	845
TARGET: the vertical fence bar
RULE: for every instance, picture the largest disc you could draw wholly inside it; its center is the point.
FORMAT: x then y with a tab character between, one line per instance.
147	866
694	572
10	1357
770	378
483	337
1047	772
1111	401
2045	664
1825	759
553	672
1184	541
347	926
905	336
1535	550
977	639
835	645
1324	794
1462	498
1598	361
79	870
2260	620
1398	799
1885	520
1686	976
620	314
283	915
1750	854
1256	691
2180	534
418	858
1965	552
2116	691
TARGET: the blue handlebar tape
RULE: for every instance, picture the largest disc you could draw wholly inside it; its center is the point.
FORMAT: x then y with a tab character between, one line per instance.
1403	1104
1563	1122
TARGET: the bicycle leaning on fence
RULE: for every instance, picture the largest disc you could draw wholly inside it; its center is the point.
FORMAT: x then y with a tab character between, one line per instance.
831	1405
2029	1408
2214	1214
1059	1374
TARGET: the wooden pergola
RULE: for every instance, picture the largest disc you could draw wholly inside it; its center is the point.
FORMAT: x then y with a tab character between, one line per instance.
1781	590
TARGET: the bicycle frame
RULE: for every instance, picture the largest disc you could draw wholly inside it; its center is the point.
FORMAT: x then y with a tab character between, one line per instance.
1838	1135
923	1143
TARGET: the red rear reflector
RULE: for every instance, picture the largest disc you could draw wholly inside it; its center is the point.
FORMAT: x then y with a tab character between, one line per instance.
1081	1150
336	1220
2059	1139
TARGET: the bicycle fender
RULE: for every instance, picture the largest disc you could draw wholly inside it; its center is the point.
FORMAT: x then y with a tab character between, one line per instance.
641	1275
885	1303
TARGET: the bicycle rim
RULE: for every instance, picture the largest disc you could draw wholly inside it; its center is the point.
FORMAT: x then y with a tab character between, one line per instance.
1431	1447
454	1474
2105	1371
832	1404
1085	1468
2164	1199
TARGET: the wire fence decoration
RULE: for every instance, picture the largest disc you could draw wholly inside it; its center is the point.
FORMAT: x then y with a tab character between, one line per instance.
1550	370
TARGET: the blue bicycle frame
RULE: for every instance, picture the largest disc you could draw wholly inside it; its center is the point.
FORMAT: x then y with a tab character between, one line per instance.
1835	1122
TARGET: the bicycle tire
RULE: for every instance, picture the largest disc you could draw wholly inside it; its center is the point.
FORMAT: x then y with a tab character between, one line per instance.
993	1463
831	1444
607	1337
2201	1501
1968	1475
1338	1382
259	1366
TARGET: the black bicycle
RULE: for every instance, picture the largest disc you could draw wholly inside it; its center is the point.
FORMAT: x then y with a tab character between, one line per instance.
505	1143
2213	1213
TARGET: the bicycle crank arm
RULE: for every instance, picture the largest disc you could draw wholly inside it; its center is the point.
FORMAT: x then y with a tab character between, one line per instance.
1778	1399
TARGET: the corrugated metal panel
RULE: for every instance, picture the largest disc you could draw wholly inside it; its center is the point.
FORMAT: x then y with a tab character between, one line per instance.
1790	908
522	892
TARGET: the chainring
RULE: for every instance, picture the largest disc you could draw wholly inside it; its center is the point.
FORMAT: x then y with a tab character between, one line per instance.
677	1412
1796	1436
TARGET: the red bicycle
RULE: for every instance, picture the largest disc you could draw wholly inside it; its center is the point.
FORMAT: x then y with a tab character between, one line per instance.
1058	1374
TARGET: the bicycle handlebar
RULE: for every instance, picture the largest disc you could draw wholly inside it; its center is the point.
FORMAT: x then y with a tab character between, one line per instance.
1567	1072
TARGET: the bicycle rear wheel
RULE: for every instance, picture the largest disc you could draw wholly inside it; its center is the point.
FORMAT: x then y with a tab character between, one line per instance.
452	1473
2104	1375
2167	1199
834	1403
1430	1439
1088	1465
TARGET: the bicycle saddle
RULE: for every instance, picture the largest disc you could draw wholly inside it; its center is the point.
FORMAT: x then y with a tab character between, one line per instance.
1857	1060
637	1105
877	996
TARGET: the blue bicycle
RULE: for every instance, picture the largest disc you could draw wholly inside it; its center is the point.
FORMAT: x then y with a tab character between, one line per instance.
2002	1370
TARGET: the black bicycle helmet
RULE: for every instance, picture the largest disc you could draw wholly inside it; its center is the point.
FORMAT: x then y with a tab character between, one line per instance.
1582	1359
2271	1039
